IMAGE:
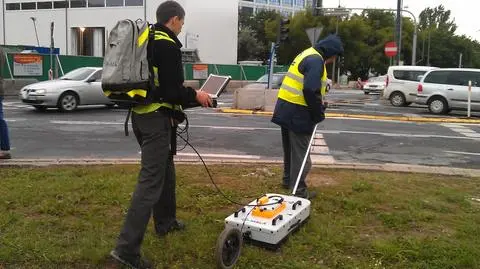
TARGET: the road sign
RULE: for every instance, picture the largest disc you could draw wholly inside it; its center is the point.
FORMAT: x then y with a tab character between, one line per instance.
313	34
391	49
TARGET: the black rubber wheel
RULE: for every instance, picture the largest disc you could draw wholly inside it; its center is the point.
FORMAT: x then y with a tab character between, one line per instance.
40	108
68	101
229	246
397	99
438	105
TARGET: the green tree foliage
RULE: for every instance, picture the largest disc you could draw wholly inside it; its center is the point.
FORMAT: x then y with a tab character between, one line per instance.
364	36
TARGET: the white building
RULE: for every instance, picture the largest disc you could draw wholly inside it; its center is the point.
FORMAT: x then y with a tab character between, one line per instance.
82	26
286	7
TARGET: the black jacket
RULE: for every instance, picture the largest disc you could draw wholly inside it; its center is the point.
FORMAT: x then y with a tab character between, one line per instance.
302	119
167	57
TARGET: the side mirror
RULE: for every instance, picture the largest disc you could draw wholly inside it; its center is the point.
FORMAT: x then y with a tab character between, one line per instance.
419	77
90	80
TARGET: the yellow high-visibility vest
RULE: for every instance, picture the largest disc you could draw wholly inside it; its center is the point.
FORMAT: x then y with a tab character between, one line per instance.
142	109
292	85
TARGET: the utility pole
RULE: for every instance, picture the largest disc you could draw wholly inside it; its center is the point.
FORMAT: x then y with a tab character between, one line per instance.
399	29
334	62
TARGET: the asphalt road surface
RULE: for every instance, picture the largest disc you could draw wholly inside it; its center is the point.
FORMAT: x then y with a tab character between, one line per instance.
97	132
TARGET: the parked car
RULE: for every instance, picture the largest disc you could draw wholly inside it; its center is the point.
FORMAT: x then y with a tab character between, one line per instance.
81	86
375	84
443	90
262	82
401	83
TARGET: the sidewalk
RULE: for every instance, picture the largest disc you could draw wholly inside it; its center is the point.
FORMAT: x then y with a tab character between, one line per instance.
387	167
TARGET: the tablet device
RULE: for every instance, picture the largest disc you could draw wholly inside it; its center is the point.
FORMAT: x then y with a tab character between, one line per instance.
215	85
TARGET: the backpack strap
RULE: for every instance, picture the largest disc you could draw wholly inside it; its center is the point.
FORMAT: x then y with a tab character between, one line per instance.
129	113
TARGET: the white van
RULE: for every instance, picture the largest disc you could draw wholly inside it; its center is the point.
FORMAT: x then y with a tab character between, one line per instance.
445	89
402	82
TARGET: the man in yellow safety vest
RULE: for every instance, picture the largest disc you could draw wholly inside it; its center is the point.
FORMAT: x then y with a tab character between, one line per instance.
300	107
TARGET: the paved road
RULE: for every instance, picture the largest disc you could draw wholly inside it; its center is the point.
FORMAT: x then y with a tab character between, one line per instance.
98	133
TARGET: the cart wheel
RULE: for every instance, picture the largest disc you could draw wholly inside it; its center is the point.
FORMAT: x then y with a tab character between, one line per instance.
229	246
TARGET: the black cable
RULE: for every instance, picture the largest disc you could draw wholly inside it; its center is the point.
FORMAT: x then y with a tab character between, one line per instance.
218	189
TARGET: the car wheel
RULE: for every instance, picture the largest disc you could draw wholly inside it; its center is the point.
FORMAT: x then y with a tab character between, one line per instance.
366	93
68	101
40	108
438	105
397	99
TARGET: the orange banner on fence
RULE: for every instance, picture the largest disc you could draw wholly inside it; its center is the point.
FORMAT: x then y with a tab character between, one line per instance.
27	59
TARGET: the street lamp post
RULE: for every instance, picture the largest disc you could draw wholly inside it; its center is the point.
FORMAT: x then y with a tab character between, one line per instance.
34	20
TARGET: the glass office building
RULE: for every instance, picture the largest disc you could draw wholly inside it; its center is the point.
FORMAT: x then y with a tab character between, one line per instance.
286	7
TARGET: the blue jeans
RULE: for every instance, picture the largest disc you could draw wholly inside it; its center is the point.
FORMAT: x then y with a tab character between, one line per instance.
4	141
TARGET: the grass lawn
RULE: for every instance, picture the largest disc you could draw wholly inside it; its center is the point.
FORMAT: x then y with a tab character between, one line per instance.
69	217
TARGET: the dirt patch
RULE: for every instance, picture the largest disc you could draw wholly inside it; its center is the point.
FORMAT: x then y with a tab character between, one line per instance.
320	180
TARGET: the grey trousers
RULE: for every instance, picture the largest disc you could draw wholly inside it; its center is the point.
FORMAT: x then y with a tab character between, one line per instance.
294	148
155	189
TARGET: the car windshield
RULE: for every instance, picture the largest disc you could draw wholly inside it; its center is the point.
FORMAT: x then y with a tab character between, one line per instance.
276	79
78	74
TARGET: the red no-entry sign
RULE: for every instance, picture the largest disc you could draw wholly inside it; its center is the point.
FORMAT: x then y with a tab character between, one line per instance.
391	49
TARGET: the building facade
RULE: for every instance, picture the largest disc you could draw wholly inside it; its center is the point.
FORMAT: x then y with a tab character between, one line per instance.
81	27
285	7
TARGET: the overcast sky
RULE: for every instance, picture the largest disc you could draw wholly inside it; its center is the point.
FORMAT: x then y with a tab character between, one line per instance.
465	15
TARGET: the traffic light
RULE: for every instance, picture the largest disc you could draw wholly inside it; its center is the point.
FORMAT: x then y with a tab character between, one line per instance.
284	30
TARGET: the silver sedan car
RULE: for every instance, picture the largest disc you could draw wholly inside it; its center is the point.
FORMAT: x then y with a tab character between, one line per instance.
81	86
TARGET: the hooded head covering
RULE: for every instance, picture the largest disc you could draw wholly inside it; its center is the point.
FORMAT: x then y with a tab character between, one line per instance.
330	46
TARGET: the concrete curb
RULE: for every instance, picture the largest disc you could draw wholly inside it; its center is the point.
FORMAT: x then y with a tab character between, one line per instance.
360	116
389	167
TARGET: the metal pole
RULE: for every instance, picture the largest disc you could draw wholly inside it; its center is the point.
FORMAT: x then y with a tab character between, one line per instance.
35	27
399	30
3	18
304	160
334	62
270	66
469	97
460	61
428	49
52	26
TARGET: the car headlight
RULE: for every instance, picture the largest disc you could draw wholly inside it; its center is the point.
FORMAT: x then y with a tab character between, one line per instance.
40	91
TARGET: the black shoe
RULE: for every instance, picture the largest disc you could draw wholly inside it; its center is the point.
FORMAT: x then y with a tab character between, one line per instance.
134	262
177	225
307	195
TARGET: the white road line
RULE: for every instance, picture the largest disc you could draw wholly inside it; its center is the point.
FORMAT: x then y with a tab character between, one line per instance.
249	128
460	128
464	153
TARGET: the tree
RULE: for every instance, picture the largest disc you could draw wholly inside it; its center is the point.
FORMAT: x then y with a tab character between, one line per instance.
248	46
437	18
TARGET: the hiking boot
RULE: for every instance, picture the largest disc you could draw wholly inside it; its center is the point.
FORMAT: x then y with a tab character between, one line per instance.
306	194
5	155
134	262
177	225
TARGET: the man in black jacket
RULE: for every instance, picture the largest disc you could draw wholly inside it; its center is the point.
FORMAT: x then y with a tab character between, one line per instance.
300	107
154	126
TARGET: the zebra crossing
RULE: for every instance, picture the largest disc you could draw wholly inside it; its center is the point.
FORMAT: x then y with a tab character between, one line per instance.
462	129
320	153
9	105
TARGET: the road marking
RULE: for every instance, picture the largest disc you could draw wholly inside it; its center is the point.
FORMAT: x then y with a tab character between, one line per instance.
464	153
249	128
460	128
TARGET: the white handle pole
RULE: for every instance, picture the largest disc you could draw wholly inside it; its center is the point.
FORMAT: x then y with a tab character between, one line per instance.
304	160
469	97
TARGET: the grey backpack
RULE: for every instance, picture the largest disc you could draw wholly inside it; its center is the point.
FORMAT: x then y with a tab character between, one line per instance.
126	72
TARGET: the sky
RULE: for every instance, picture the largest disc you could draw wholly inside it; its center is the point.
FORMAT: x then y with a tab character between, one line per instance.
464	12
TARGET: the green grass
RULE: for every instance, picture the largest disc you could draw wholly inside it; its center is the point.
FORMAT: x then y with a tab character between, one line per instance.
69	217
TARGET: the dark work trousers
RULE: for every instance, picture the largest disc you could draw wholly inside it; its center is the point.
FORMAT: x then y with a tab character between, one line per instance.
155	190
295	146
